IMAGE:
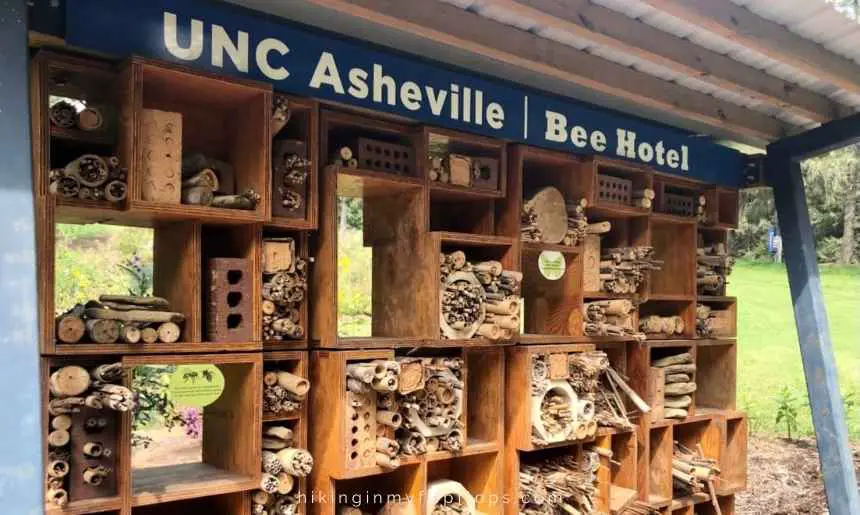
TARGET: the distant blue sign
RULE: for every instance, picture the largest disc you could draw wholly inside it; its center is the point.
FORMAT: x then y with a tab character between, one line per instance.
305	61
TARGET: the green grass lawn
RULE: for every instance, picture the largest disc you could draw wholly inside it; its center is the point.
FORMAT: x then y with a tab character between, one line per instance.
768	352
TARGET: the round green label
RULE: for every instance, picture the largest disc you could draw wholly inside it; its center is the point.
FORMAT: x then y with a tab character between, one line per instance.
551	264
196	385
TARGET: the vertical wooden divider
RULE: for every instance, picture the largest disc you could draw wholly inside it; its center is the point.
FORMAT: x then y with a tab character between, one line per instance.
177	273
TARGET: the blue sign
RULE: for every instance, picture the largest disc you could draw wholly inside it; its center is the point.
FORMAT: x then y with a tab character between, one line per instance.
306	61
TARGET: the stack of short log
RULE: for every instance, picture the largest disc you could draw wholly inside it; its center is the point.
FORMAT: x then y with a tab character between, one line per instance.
480	298
121	318
610	318
624	269
693	473
712	322
643	198
285	286
344	157
283	392
282	465
292	170
559	485
679	376
701	207
663	327
73	389
714	266
547	218
90	177
207	181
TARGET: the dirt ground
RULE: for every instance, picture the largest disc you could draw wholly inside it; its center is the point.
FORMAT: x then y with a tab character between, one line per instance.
784	478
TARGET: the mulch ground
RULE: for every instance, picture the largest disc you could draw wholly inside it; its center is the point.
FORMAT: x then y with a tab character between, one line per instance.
784	478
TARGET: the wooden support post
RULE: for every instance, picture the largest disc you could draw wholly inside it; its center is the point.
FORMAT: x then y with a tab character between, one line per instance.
810	316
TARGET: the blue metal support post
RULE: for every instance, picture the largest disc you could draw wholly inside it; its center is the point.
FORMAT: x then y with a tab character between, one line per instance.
20	434
810	315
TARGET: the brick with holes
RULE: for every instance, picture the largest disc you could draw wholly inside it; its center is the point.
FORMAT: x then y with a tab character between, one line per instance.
229	300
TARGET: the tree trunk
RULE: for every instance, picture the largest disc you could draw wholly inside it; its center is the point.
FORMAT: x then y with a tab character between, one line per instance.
849	216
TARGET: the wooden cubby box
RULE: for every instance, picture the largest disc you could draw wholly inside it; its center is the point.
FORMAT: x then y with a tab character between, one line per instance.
552	308
302	250
733	462
294	362
244	298
231	439
659	476
222	118
370	493
722	207
716	375
614	183
299	136
674	243
725	502
725	311
686	309
394	216
626	231
518	397
226	504
489	156
695	434
81	81
176	277
646	378
482	475
478	209
676	198
84	499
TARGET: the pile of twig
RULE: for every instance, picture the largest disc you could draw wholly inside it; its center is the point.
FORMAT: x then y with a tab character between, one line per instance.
90	177
678	370
693	473
558	485
714	266
640	508
624	269
610	318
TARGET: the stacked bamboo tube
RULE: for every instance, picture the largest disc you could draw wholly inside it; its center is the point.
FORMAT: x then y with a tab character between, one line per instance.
121	318
624	269
714	266
481	298
559	485
285	286
71	389
679	373
666	327
90	177
283	392
694	474
282	466
610	318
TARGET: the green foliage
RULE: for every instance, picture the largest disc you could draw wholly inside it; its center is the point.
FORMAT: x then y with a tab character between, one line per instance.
155	405
354	285
786	410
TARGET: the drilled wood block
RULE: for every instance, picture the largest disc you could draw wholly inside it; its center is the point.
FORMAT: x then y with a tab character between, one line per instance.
93	426
229	300
361	430
161	142
614	189
383	156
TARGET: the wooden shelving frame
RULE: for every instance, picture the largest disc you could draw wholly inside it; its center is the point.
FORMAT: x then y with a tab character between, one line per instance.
408	220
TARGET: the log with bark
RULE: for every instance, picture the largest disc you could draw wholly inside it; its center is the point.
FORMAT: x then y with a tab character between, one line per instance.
662	326
284	289
623	270
714	265
121	318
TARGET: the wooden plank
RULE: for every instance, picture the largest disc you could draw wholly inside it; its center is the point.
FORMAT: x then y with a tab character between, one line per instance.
742	26
609	28
451	26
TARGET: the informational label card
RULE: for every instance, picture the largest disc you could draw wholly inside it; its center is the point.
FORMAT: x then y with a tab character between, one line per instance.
196	385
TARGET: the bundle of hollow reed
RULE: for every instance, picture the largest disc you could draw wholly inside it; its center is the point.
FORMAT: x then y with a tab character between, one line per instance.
585	369
640	508
283	292
610	318
481	298
282	465
292	170
558	485
679	372
431	411
714	264
121	318
665	327
283	391
90	177
693	474
624	269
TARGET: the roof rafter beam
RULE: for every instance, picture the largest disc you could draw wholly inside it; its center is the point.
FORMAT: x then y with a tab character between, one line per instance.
619	32
451	26
743	26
